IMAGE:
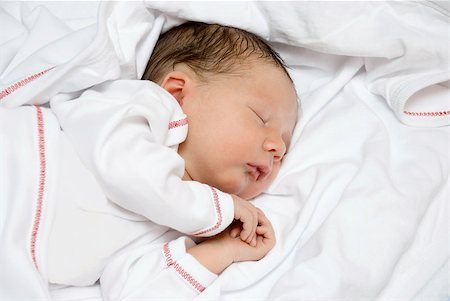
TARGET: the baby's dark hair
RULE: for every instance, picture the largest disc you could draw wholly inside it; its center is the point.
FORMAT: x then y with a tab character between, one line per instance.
208	49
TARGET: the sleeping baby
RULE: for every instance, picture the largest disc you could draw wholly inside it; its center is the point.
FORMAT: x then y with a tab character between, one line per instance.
181	151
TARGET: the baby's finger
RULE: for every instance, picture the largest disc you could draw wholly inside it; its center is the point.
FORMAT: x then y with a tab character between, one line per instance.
265	228
249	227
262	219
253	234
266	233
249	237
253	242
247	230
260	212
261	230
235	231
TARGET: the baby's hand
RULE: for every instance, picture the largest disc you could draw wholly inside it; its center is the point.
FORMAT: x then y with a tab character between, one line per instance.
218	252
248	215
241	251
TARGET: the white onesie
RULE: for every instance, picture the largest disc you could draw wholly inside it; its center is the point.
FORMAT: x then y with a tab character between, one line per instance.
120	190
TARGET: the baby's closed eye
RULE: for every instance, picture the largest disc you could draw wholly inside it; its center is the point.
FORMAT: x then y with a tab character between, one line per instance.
259	115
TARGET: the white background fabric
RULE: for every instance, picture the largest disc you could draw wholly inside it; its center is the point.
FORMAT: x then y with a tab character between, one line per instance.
360	207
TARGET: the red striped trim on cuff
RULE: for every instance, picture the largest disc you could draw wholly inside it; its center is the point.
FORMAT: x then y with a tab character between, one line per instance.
179	269
218	213
40	197
427	114
178	123
19	84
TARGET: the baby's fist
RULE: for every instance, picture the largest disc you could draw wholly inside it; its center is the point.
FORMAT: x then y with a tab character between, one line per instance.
241	251
248	215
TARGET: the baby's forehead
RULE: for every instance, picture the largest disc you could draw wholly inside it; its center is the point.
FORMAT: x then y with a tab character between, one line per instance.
279	88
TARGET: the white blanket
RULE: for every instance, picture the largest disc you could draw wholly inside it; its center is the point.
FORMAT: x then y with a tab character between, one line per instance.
361	204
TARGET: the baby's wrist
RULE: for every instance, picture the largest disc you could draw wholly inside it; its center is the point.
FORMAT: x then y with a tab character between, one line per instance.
212	255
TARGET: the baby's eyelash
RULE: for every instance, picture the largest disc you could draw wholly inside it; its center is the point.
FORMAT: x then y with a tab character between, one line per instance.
262	119
259	116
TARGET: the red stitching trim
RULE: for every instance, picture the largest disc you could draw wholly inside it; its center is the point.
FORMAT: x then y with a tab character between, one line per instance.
443	113
168	256
42	161
22	83
171	263
178	123
218	211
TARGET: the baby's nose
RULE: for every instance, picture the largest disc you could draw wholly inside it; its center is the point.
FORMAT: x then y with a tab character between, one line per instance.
276	146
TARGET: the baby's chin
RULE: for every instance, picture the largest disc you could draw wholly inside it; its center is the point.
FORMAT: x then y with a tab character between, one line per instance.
250	193
233	186
253	189
240	187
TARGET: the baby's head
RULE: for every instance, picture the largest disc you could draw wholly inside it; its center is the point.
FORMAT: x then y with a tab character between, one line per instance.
239	99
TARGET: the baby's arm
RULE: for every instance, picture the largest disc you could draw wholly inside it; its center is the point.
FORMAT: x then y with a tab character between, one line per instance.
155	271
220	251
130	147
179	269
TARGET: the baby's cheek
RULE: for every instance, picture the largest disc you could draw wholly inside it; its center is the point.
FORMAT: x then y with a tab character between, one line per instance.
275	169
230	184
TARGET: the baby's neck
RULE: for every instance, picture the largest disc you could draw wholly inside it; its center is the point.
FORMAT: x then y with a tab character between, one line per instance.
187	176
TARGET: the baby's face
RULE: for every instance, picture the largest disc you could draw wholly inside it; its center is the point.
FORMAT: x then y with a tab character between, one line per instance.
239	129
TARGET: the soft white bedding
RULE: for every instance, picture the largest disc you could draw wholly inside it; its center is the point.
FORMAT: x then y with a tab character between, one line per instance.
361	206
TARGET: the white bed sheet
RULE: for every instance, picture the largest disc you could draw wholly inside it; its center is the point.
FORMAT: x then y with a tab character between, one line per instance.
361	206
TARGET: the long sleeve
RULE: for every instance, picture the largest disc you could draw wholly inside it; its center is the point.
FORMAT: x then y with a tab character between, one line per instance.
156	272
127	133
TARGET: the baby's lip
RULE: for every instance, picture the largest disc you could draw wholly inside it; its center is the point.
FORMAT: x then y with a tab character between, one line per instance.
259	172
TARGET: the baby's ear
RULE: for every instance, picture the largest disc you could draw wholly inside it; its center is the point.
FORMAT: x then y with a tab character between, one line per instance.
175	83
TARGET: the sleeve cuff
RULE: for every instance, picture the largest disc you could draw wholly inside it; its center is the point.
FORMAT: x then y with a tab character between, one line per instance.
224	209
192	272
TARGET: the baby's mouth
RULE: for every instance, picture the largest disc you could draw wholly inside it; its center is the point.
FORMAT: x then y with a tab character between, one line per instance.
258	172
